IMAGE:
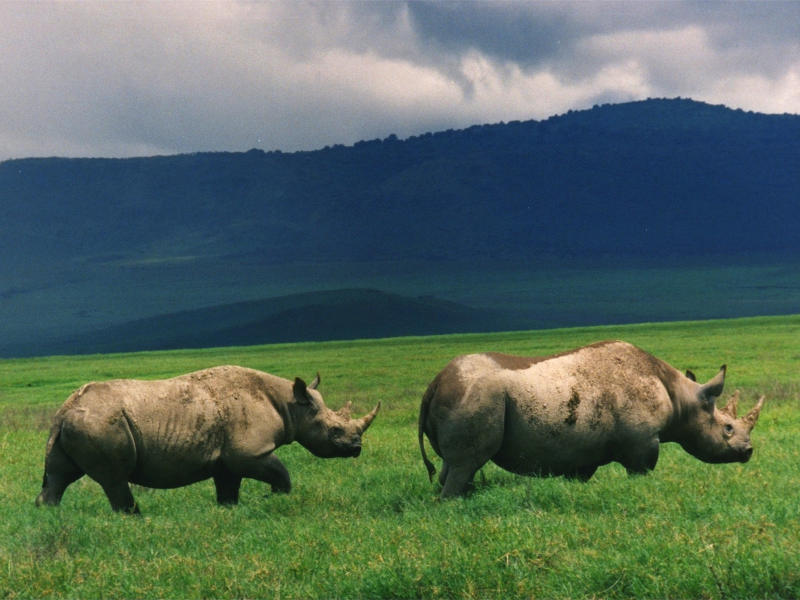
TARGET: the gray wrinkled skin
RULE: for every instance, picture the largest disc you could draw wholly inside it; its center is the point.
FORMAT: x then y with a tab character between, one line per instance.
571	413
222	423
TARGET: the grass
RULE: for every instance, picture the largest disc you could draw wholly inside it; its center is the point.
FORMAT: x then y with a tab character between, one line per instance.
372	528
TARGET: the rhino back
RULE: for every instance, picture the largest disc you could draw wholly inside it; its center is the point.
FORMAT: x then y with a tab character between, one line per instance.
576	409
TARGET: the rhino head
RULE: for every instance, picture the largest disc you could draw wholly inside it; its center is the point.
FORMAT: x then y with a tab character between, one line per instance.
716	435
324	432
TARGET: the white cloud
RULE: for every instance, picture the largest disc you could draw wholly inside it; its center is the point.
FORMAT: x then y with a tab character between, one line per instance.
674	59
122	78
507	92
758	93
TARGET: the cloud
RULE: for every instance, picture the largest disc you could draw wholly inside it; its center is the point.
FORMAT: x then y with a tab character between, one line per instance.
778	95
125	78
668	59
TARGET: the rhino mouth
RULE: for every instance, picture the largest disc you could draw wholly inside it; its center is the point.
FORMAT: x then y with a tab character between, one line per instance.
355	450
746	454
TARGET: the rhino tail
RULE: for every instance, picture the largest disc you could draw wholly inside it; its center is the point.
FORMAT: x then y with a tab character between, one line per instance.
423	417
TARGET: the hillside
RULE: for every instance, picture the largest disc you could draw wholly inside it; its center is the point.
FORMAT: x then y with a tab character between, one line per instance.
88	244
656	176
317	316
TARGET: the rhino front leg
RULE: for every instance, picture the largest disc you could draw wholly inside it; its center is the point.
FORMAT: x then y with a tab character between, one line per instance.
227	485
640	459
267	468
582	473
275	474
120	496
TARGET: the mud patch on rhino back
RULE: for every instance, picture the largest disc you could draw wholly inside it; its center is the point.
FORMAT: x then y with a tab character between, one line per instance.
512	362
572	408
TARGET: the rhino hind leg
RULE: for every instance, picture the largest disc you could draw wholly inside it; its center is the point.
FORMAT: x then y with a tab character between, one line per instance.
443	473
459	480
466	447
60	472
461	461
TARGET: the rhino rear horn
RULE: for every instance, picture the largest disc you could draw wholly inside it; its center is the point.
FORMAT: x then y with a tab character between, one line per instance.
752	417
345	411
367	419
732	405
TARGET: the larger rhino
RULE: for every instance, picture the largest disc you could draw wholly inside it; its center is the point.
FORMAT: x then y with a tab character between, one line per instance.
222	423
570	413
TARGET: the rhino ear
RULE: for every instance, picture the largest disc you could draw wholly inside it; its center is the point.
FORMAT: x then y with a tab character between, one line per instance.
690	375
300	391
710	391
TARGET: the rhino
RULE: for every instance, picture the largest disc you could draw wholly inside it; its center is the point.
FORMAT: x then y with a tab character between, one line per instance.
570	413
222	423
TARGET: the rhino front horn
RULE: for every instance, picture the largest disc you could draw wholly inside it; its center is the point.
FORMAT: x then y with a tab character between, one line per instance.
752	416
367	419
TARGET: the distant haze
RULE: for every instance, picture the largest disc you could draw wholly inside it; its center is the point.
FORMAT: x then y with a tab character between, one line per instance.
118	79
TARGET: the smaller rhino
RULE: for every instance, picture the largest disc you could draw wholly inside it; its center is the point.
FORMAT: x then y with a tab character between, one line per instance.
222	423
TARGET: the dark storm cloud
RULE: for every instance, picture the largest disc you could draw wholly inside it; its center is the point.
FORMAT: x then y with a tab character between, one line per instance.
127	78
526	34
554	34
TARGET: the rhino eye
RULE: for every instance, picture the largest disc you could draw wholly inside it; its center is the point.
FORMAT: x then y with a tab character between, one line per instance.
728	429
337	432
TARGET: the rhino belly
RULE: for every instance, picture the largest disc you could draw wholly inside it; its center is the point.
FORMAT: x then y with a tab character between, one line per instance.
164	471
531	448
547	461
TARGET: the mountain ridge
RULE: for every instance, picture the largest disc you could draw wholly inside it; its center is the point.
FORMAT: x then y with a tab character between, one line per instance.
615	178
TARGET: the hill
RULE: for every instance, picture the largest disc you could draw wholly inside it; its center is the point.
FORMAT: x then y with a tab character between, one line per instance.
316	316
91	243
655	176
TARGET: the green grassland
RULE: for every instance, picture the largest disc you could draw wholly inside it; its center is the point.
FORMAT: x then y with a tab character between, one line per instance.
372	527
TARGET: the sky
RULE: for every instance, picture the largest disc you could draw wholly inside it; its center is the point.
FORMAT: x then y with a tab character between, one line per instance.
134	78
